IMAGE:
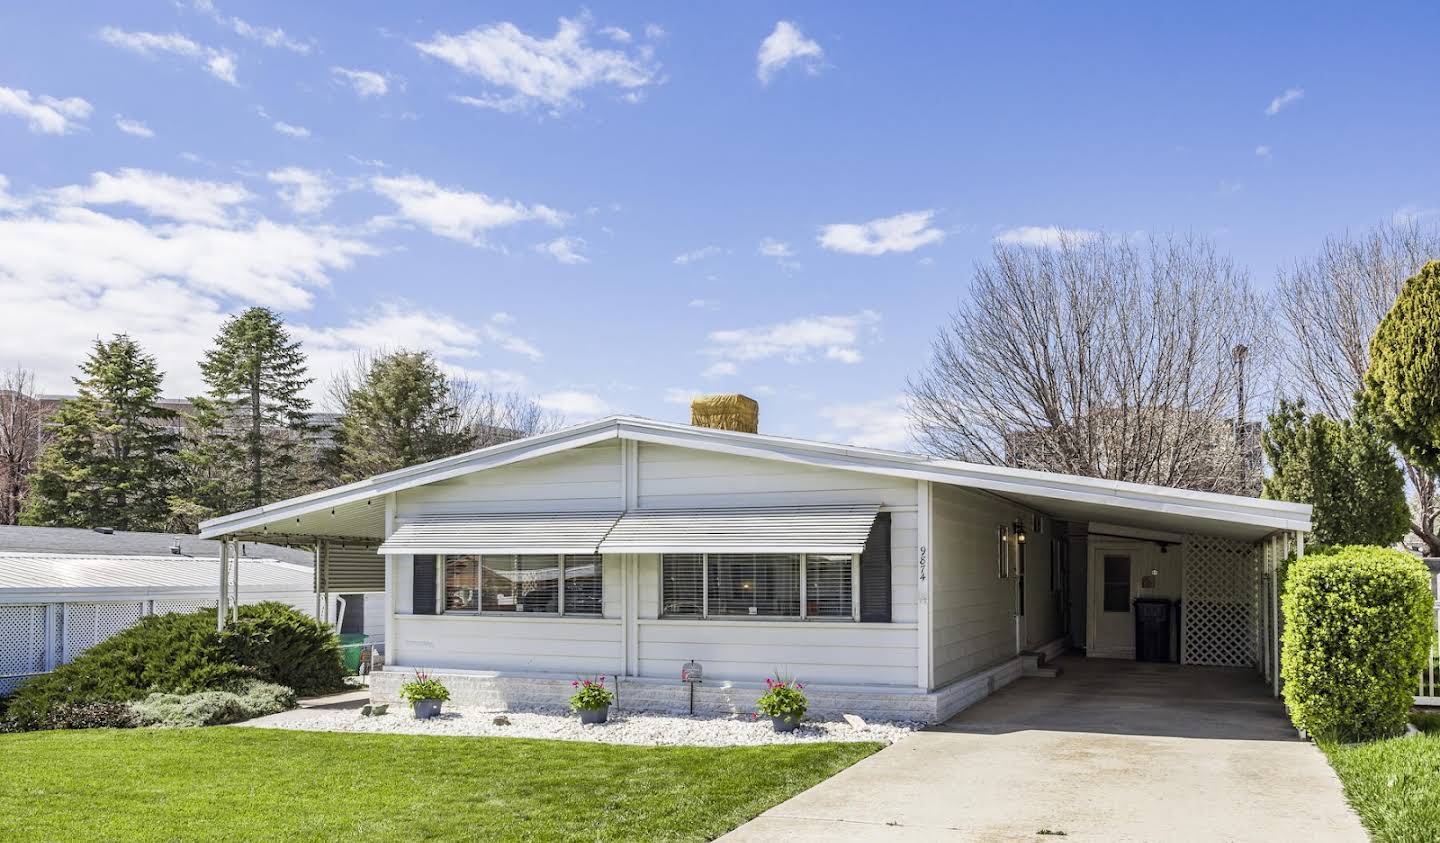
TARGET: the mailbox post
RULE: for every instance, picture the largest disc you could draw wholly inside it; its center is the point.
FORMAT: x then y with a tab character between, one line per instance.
692	674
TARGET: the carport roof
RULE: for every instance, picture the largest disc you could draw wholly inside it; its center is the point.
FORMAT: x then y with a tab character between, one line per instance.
355	511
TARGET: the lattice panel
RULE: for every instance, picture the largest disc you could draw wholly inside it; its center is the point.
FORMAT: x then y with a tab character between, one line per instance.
1220	602
22	639
165	607
87	624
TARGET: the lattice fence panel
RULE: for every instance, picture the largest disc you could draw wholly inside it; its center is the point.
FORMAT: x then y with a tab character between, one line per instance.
1220	602
22	644
165	607
87	624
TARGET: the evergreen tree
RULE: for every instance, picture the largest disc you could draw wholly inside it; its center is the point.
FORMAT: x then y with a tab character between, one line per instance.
110	458
1402	385
1342	468
247	439
400	410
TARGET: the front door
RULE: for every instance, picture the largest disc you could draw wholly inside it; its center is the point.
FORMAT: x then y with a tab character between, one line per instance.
1116	568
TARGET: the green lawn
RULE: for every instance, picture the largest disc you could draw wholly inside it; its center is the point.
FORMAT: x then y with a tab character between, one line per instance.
1394	785
260	784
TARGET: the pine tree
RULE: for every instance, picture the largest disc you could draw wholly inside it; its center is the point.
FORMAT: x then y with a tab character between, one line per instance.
110	458
247	439
1402	385
1342	468
400	411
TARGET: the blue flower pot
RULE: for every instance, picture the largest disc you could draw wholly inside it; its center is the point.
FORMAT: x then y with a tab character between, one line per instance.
785	722
592	716
426	709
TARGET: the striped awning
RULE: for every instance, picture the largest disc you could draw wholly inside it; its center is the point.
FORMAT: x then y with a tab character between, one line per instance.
516	532
828	528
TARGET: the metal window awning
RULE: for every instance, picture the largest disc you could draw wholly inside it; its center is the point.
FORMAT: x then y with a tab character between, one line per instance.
517	532
828	528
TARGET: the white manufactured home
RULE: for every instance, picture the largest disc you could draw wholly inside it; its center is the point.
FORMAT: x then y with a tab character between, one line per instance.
891	584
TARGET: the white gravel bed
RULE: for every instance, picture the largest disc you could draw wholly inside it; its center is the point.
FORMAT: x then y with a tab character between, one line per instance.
622	728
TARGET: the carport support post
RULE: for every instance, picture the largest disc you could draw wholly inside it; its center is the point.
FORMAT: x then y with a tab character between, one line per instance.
224	586
235	589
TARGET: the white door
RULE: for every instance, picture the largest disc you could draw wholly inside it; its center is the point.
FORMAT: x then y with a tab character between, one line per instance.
1116	569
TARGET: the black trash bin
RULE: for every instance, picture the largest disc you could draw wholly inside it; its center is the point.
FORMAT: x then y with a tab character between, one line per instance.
1153	618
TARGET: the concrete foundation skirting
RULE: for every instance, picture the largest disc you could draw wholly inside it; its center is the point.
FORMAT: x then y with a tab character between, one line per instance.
496	690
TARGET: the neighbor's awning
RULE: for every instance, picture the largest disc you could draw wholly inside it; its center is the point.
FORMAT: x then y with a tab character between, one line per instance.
829	528
518	532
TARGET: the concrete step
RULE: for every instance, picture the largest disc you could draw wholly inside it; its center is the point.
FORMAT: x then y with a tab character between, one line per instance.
1033	664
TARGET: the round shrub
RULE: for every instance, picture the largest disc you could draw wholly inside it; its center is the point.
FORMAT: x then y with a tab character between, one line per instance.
1359	622
184	654
212	708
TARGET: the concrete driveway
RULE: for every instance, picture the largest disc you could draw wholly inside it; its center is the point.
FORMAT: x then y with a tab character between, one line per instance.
1109	751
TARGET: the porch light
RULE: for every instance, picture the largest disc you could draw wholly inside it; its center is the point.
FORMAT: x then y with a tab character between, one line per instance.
1019	533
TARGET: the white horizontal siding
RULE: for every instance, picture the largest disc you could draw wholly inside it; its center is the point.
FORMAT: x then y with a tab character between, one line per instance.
904	567
673	477
843	653
570	646
584	479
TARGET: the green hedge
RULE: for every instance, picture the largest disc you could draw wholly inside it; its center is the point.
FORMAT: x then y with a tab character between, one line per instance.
184	654
1359	622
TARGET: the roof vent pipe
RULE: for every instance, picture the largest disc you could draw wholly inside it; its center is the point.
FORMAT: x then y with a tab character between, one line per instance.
104	531
726	412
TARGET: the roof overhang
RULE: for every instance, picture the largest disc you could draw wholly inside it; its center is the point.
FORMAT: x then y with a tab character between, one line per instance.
356	510
523	532
834	528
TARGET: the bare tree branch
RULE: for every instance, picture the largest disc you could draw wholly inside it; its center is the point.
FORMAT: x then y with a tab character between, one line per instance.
1101	357
22	435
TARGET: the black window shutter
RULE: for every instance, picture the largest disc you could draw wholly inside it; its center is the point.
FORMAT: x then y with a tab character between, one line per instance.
423	594
875	573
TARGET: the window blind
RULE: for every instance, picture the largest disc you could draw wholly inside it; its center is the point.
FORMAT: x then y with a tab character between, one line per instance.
827	586
754	584
681	585
583	584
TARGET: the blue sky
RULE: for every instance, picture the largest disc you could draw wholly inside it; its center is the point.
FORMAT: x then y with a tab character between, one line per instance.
614	207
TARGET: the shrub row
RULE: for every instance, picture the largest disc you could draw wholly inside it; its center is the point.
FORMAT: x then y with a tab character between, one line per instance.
184	654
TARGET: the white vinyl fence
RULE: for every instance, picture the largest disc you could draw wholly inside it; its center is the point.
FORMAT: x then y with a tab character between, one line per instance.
1429	691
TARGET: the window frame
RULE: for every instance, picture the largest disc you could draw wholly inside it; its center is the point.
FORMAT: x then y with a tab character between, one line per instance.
479	611
803	585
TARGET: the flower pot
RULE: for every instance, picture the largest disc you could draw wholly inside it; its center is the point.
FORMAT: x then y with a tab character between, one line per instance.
591	716
426	709
785	722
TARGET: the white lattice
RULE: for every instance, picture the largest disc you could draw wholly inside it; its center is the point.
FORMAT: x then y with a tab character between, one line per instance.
87	624
22	640
165	607
1220	602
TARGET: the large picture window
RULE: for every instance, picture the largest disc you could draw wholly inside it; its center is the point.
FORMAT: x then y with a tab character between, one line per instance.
524	583
758	585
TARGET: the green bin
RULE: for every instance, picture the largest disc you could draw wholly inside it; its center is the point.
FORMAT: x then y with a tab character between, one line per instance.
352	653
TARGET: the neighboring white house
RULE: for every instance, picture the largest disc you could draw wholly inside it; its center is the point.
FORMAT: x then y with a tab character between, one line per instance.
892	584
65	590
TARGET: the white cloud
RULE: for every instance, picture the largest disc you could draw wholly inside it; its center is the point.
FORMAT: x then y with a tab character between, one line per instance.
900	233
267	35
700	254
44	115
291	130
574	404
566	250
786	44
654	31
218	63
76	271
616	34
869	424
305	191
1042	236
680	395
1230	187
365	83
1291	96
1405	215
772	248
496	331
1263	151
158	194
798	340
525	70
704	304
721	369
133	127
458	214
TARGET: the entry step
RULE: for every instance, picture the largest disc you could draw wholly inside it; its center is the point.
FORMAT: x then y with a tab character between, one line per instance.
1033	665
